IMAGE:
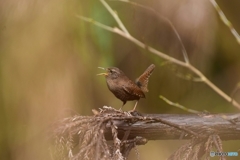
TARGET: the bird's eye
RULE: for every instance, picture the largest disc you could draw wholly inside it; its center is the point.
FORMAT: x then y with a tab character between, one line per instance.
112	71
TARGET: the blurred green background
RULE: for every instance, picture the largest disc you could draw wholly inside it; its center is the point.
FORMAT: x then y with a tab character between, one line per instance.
49	60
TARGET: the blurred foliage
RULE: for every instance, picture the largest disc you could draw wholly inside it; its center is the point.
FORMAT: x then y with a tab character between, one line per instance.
49	61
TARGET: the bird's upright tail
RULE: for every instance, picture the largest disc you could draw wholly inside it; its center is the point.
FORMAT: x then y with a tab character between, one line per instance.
142	81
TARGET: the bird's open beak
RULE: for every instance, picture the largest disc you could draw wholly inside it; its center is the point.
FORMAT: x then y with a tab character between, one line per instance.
100	74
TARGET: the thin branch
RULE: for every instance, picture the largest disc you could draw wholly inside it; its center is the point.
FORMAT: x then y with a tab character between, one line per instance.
178	105
187	77
110	29
115	16
235	90
225	20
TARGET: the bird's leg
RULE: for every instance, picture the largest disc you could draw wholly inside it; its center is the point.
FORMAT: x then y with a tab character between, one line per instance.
134	107
120	109
122	106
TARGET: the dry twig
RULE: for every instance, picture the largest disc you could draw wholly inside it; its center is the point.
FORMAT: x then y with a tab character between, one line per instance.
84	137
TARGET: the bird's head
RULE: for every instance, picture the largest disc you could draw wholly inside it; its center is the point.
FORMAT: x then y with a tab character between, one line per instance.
111	72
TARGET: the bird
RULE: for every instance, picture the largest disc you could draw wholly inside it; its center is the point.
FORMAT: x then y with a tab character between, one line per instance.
125	89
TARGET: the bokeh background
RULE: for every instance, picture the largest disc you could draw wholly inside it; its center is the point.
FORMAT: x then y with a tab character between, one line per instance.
49	60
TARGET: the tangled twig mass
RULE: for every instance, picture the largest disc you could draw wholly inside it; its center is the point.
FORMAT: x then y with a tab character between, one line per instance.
84	137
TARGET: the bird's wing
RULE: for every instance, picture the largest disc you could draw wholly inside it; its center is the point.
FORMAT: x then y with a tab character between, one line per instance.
142	81
132	89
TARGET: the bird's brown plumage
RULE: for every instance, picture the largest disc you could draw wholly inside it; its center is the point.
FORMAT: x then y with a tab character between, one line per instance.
124	88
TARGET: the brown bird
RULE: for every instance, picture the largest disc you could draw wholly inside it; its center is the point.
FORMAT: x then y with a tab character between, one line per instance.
125	89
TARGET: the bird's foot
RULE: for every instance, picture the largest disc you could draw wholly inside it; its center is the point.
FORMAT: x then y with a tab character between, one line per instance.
134	113
120	109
